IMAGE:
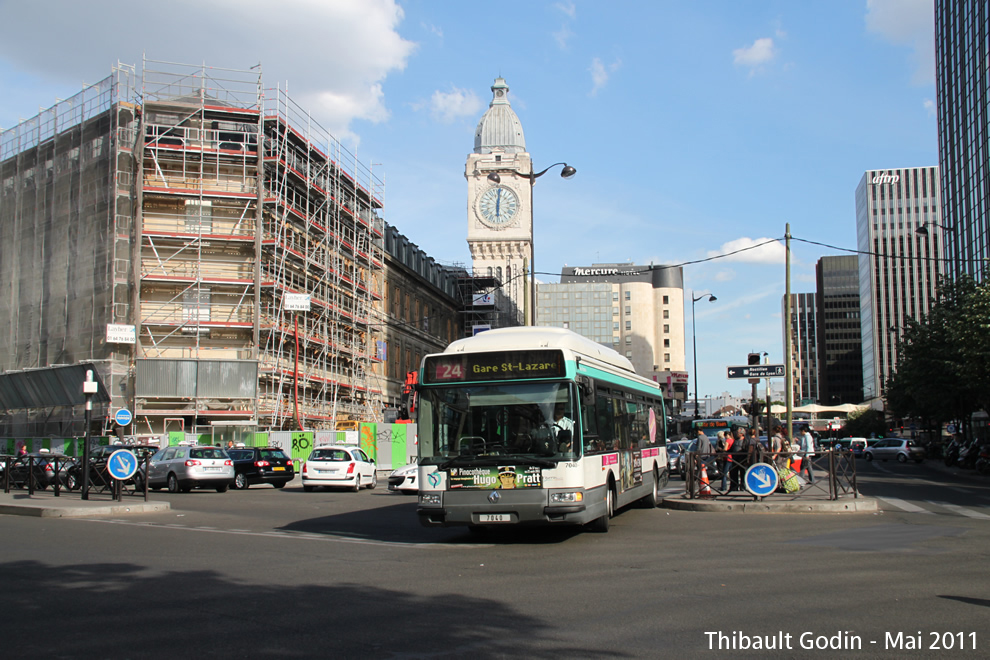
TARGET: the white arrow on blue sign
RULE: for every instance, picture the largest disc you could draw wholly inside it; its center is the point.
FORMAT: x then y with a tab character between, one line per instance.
122	464
761	479
123	417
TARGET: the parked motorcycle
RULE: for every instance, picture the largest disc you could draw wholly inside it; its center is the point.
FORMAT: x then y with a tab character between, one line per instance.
951	453
983	461
968	455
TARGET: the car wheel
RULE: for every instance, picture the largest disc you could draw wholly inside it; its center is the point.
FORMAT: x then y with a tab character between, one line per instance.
223	488
308	489
138	482
72	481
901	458
374	481
279	484
240	481
357	483
173	484
868	456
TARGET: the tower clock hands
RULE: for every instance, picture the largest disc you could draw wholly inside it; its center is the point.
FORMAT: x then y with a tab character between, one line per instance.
498	202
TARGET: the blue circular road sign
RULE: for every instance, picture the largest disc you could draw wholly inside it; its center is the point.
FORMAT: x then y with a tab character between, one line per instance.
122	464
761	479
123	417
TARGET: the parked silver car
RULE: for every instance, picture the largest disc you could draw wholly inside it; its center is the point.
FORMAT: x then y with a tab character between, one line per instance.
185	467
901	449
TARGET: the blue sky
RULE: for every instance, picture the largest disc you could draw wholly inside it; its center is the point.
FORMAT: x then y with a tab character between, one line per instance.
696	127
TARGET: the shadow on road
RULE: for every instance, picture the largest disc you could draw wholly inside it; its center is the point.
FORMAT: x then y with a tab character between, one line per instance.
123	611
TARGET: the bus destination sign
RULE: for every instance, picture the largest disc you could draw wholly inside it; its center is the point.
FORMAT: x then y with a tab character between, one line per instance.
501	365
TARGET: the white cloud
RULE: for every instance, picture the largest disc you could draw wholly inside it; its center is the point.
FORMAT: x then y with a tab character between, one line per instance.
430	27
335	53
744	250
601	73
907	23
754	57
562	36
725	276
930	107
452	105
568	8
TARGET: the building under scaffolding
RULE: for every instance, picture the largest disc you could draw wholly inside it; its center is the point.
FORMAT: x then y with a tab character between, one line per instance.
214	252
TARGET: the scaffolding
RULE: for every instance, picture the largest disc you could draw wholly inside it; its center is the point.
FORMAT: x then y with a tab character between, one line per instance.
323	236
187	201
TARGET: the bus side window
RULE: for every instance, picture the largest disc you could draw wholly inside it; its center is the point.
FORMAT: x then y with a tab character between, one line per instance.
606	428
589	427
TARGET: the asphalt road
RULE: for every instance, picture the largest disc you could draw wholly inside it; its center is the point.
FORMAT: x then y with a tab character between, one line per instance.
287	574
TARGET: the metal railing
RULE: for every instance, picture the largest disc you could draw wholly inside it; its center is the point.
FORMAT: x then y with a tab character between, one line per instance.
31	473
835	474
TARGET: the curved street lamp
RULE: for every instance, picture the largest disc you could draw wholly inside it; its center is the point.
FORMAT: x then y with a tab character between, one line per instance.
529	291
694	344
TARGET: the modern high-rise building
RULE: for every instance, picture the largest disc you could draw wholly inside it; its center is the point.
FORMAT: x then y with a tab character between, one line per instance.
962	78
802	333
900	259
840	335
202	246
636	310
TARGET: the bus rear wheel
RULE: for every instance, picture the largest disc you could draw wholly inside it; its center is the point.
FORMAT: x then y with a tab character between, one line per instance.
655	499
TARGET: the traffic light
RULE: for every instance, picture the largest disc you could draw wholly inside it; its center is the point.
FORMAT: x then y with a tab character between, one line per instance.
752	358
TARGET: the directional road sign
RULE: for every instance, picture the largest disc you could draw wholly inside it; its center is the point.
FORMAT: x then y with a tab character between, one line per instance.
123	417
761	479
122	464
757	371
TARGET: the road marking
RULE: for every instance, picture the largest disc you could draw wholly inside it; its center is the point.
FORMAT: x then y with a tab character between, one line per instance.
961	510
300	536
905	506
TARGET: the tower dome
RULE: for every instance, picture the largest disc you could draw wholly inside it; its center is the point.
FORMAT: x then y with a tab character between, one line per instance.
499	127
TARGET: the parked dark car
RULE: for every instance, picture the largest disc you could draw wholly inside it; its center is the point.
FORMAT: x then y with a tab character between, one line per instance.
261	465
99	476
39	464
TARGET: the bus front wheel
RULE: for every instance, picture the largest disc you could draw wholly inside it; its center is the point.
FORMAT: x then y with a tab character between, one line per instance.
601	525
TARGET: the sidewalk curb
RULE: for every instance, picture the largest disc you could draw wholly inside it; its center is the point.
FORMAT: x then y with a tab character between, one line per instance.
42	510
856	505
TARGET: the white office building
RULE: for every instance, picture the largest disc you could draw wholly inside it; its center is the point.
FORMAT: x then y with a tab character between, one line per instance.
898	265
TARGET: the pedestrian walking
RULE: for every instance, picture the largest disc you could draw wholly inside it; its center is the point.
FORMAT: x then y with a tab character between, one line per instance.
740	458
726	461
807	444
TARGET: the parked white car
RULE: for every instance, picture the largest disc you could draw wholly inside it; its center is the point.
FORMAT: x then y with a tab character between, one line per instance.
404	480
336	466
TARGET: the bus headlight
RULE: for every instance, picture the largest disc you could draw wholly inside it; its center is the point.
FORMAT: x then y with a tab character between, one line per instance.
566	498
430	499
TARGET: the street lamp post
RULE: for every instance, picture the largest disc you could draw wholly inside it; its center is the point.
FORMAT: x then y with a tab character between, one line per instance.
694	345
529	311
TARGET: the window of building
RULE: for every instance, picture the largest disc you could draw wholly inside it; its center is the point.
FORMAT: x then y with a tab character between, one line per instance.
666	357
629	354
628	295
628	310
628	341
666	313
666	300
666	328
628	325
615	311
666	343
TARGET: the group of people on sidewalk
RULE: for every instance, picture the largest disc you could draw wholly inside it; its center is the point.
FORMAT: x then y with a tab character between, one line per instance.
736	450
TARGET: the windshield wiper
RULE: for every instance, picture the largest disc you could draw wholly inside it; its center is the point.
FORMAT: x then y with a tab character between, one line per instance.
530	460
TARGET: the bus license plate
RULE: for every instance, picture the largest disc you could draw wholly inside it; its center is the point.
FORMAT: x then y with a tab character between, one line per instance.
494	517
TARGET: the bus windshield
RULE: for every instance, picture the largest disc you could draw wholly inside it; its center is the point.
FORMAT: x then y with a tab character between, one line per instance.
520	420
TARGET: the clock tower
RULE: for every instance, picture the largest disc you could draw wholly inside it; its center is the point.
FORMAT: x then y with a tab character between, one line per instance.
500	215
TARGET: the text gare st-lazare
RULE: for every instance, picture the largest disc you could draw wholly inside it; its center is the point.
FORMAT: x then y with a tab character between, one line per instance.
514	368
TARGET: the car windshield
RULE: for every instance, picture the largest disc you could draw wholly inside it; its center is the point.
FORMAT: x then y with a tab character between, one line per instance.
523	420
268	454
207	452
329	455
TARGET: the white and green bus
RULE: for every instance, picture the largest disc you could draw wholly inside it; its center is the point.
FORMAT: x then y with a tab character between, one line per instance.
536	426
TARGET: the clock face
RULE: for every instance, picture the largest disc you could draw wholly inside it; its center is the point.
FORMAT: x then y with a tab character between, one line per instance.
498	206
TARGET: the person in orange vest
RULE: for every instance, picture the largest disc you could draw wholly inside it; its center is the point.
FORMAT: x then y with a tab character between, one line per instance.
724	448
